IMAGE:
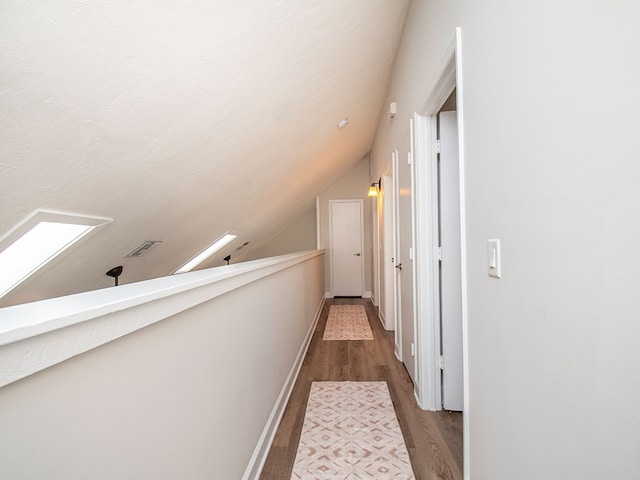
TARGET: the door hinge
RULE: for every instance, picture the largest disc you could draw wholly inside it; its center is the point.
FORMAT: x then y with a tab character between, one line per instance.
438	146
441	363
439	254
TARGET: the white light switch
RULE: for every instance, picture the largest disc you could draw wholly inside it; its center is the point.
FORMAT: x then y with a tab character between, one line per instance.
493	257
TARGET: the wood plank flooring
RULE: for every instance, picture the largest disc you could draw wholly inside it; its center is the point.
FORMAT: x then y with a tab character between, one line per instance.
434	439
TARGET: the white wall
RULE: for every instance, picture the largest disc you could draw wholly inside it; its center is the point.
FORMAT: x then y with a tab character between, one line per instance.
186	397
354	185
299	235
552	105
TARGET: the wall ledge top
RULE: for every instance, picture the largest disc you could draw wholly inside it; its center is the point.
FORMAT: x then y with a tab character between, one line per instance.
37	335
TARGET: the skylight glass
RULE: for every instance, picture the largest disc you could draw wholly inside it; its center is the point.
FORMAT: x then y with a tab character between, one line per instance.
37	241
201	257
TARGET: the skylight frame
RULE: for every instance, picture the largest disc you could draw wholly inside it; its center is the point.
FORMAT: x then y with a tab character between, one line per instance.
93	224
216	246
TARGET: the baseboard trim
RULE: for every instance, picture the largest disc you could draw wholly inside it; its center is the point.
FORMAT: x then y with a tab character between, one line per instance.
366	295
381	318
328	295
259	457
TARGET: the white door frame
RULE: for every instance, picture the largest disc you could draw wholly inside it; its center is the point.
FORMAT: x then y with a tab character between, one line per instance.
417	387
397	318
406	312
450	267
388	248
428	335
376	212
353	200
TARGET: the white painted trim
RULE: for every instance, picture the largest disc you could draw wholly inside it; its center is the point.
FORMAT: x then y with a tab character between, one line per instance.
361	202
44	215
445	81
388	246
328	294
396	246
318	244
375	247
35	336
449	76
381	318
429	268
366	294
259	457
428	307
463	256
417	386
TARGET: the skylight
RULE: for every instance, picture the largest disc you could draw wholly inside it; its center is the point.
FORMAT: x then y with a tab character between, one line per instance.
38	240
202	256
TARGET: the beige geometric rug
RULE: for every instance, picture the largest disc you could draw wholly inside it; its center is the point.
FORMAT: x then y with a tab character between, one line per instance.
347	322
351	432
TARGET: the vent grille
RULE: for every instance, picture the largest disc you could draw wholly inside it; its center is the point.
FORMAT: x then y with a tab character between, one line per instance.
143	248
242	246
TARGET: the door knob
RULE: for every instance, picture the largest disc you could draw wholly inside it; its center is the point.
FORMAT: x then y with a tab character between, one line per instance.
357	254
399	266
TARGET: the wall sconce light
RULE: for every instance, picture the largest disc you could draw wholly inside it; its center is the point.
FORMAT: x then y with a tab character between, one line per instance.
114	273
374	188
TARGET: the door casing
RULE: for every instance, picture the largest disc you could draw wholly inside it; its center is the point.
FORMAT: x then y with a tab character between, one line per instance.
450	76
388	249
406	254
450	285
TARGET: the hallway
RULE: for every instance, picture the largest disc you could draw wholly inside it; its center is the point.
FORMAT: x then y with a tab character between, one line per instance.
433	439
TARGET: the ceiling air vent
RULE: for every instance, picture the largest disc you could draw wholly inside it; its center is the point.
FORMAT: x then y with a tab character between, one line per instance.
242	246
144	248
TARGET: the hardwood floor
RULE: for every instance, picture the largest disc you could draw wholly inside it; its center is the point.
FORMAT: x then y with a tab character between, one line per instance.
434	439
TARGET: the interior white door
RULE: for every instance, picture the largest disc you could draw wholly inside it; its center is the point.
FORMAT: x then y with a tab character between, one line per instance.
395	245
404	263
346	245
388	251
450	267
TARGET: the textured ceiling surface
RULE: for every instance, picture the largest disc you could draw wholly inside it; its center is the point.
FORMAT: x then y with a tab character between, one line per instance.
182	120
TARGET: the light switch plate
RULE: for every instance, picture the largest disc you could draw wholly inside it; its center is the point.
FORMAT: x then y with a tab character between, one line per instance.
493	258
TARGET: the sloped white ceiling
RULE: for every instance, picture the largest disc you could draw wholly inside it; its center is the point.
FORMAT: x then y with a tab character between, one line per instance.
182	120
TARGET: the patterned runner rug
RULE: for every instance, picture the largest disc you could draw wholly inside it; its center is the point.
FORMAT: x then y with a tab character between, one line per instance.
351	432
347	322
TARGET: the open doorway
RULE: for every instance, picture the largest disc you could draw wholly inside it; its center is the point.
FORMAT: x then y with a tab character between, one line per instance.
449	271
446	95
440	237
